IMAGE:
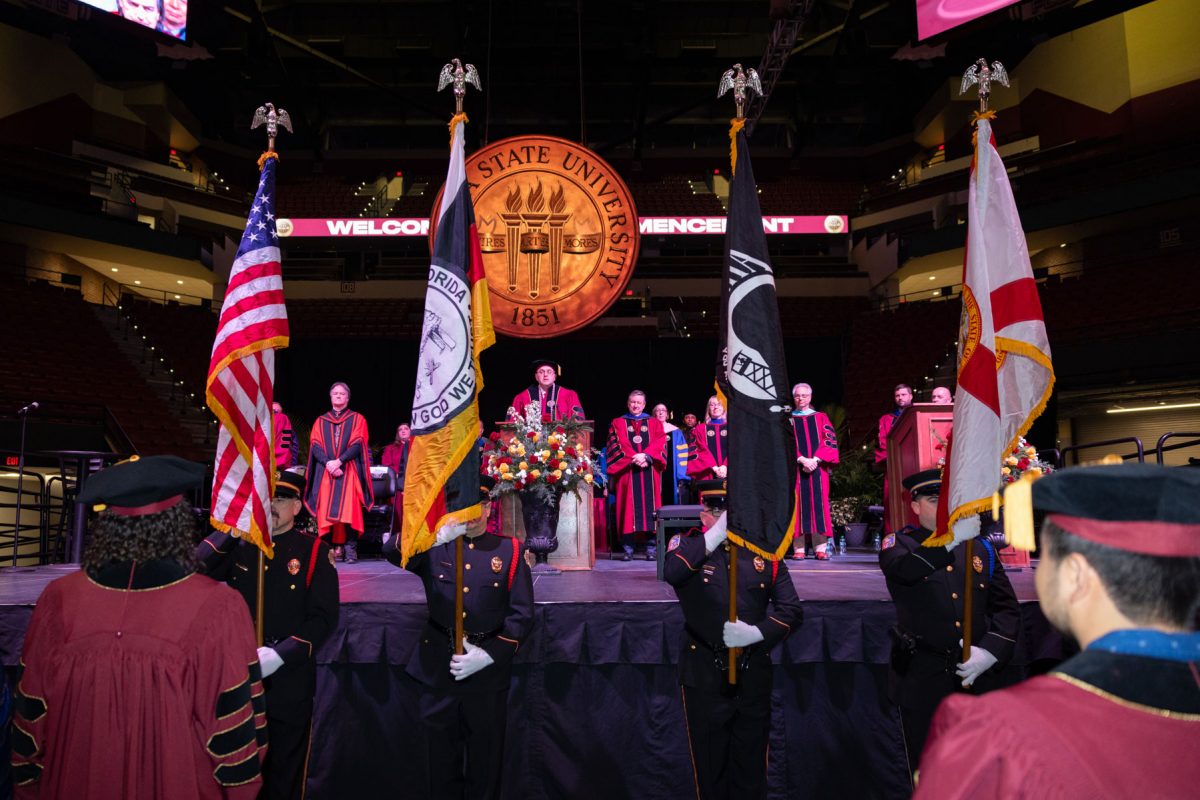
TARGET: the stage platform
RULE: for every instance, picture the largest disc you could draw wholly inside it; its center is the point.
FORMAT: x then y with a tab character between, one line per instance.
595	709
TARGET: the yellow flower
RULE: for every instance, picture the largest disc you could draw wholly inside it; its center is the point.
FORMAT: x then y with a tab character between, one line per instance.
1034	472
1011	461
557	473
522	465
533	437
520	450
512	449
1005	471
1031	451
560	454
534	475
544	455
588	477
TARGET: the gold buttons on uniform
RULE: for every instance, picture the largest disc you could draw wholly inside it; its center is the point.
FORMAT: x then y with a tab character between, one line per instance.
470	545
693	647
981	586
950	568
293	586
954	595
466	589
466	566
957	624
496	584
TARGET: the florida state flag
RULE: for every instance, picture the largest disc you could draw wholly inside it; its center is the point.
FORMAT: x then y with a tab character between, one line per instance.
1005	375
441	483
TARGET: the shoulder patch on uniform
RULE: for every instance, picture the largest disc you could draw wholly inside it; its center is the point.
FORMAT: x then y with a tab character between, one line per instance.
674	543
977	563
889	542
294	566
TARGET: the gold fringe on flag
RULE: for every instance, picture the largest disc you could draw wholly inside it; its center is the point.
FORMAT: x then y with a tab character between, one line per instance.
735	127
457	118
265	157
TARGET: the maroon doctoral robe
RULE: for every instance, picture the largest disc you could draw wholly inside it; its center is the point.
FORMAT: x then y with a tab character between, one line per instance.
885	427
337	502
559	402
637	488
708	448
141	687
815	437
1125	729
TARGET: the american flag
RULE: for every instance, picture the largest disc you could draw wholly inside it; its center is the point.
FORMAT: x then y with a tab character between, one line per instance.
241	375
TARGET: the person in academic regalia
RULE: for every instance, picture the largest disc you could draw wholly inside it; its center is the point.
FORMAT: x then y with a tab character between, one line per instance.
287	448
708	451
300	610
903	396
558	402
395	455
675	479
816	452
339	473
141	680
1119	573
728	726
463	700
926	585
636	457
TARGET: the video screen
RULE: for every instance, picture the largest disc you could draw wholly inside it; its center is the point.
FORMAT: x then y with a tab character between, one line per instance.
164	16
935	16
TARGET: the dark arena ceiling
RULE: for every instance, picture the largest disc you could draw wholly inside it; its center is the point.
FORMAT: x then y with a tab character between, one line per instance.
635	80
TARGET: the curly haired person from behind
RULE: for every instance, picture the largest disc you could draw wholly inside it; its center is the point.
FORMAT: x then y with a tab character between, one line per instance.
141	679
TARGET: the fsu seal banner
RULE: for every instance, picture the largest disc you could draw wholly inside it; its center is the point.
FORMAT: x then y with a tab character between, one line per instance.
558	231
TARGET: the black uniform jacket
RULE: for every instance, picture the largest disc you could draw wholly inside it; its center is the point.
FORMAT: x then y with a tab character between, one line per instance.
300	612
701	582
927	584
498	618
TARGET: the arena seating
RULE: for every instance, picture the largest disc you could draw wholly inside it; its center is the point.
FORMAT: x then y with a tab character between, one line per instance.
184	334
60	354
795	194
339	319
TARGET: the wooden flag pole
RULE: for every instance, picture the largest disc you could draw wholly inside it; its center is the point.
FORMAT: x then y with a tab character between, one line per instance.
733	651
968	599
259	602
458	596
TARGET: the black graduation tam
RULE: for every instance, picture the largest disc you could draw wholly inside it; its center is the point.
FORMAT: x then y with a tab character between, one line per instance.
1140	508
141	486
291	485
926	483
538	363
711	492
485	487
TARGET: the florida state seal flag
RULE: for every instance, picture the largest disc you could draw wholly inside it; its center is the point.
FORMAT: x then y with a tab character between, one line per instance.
441	483
1005	375
241	374
752	377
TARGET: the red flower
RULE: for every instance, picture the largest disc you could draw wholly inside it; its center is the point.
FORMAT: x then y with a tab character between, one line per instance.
551	479
533	459
506	460
570	451
1023	463
545	417
560	429
1009	479
495	436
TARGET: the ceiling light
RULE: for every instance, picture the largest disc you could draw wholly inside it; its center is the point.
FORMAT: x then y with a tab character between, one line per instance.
177	297
114	269
1159	407
1064	244
932	278
180	283
139	283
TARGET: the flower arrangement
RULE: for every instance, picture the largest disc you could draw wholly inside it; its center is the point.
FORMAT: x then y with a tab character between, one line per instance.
1021	460
847	510
542	456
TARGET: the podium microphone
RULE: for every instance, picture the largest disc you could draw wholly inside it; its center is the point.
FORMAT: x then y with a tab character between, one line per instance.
31	407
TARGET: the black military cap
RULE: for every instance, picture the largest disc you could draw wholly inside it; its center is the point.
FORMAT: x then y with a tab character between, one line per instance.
140	486
290	484
711	492
485	487
1140	508
926	483
538	363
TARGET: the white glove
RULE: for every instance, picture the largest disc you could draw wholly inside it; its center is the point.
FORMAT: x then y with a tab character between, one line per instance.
741	634
269	661
449	532
979	662
716	534
470	662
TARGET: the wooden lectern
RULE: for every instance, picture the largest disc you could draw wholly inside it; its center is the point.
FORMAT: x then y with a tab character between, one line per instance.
917	441
576	549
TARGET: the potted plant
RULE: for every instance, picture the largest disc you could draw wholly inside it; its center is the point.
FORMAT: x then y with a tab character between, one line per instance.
538	461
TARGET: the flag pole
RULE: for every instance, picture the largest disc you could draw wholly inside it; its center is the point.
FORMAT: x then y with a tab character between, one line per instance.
733	572
259	601
458	596
968	599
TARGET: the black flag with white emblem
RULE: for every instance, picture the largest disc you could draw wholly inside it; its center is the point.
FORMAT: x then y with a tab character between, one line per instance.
752	376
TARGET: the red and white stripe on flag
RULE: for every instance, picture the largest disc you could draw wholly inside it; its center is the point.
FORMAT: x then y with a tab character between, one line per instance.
241	376
1005	374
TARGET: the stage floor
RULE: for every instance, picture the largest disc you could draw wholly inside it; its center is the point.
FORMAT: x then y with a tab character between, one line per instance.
854	576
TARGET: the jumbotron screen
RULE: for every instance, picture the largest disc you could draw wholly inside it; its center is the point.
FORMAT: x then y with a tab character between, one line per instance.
164	16
935	16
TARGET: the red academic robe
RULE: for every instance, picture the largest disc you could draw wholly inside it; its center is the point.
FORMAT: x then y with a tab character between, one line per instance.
560	402
709	448
815	437
885	427
283	436
1060	736
139	695
338	503
637	488
395	455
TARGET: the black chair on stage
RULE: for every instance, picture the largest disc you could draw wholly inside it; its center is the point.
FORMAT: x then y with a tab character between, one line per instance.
670	520
381	517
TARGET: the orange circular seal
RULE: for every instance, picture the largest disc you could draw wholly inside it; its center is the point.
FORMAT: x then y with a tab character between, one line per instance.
558	231
970	326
